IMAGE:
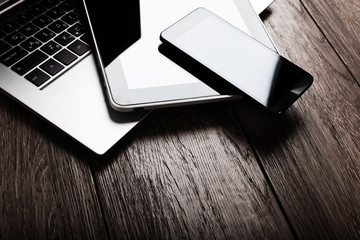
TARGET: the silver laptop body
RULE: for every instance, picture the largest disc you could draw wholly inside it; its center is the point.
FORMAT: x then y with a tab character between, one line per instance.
74	102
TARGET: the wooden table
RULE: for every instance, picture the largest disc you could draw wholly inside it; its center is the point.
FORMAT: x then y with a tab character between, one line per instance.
211	171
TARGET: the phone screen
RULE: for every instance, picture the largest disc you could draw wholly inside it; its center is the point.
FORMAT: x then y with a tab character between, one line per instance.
239	59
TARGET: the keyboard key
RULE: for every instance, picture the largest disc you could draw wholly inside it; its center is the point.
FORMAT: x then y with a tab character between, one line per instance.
14	38
51	48
31	44
42	21
50	3
4	47
36	10
45	35
65	57
64	38
13	56
37	77
79	10
87	38
9	26
55	13
70	18
23	18
29	29
29	62
51	66
67	5
79	47
58	26
77	30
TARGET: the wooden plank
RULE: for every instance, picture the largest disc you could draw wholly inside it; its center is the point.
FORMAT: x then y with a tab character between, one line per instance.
339	21
187	173
46	188
311	154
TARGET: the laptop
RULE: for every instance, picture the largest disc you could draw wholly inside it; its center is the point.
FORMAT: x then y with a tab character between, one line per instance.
47	65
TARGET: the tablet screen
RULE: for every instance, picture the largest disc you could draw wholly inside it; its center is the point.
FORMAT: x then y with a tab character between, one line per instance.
147	76
145	52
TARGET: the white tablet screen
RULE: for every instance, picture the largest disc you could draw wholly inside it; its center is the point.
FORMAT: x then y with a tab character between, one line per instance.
157	70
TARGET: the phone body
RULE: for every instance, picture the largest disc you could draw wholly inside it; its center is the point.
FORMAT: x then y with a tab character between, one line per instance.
134	73
237	59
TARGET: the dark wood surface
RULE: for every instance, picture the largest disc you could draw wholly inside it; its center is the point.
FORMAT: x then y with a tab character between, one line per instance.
213	171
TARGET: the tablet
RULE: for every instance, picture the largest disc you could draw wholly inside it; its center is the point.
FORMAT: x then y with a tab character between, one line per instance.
136	75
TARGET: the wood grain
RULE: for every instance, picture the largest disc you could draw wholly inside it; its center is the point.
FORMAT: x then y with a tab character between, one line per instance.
339	21
188	173
46	192
311	154
212	171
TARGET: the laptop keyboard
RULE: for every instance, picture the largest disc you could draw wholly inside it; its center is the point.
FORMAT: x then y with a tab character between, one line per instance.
41	39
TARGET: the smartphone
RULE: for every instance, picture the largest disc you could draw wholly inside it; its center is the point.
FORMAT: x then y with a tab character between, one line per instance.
238	59
135	75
